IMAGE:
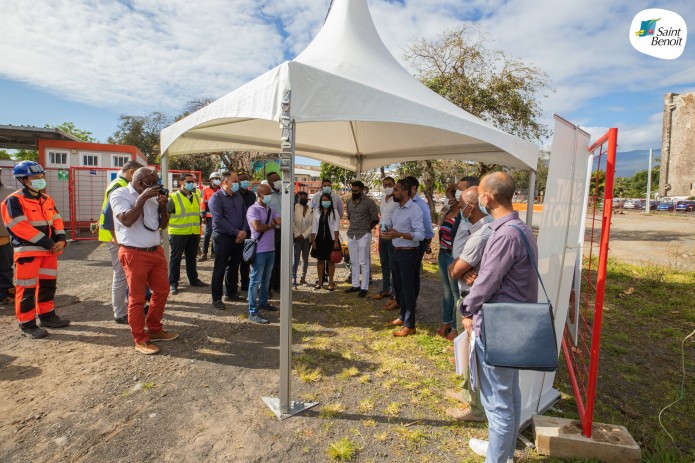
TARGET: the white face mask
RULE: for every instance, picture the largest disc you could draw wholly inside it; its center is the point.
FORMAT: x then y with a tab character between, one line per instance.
458	194
277	184
388	191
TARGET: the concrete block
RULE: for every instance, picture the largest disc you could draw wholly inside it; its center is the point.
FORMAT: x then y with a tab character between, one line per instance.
562	438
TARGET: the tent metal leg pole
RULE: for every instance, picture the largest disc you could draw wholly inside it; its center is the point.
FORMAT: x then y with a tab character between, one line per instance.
284	406
531	195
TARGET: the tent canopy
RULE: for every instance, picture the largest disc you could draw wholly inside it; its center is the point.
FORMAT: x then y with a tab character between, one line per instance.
354	105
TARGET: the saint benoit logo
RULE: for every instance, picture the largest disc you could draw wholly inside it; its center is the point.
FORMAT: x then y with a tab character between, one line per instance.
659	33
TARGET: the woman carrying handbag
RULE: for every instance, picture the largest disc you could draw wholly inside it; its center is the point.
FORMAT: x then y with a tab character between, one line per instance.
325	239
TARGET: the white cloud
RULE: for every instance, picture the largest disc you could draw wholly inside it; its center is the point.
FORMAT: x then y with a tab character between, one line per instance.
157	54
634	136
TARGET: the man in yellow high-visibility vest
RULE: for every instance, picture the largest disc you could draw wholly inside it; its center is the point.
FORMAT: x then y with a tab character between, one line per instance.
184	232
119	287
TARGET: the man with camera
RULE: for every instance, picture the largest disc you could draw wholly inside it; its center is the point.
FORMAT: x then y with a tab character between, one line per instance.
140	212
184	232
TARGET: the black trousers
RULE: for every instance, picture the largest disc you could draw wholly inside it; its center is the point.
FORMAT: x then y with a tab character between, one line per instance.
6	272
180	245
405	275
228	256
207	235
275	276
420	254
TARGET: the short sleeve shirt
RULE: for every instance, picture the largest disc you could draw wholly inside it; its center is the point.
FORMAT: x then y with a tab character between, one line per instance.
260	214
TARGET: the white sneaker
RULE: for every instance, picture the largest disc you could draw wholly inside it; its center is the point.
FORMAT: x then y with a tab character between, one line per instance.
479	446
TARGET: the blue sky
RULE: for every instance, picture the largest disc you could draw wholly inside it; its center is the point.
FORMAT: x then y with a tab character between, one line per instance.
88	61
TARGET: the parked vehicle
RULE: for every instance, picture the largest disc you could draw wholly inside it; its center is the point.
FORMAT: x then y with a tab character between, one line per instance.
685	206
632	204
665	207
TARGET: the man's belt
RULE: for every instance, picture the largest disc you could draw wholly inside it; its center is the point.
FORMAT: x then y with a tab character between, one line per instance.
445	251
150	249
411	248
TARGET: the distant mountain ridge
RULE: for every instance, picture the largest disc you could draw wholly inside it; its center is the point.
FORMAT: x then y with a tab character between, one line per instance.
627	163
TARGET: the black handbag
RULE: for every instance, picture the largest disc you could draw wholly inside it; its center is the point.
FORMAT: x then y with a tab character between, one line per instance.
520	335
249	253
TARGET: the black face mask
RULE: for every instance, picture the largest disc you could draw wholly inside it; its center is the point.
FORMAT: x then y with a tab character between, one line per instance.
356	195
303	201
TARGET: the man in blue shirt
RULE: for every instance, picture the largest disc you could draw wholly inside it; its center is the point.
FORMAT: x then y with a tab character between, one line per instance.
424	246
229	229
406	231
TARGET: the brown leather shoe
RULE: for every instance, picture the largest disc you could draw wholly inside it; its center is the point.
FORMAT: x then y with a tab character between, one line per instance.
455	395
405	331
392	305
462	413
380	296
163	336
396	322
146	348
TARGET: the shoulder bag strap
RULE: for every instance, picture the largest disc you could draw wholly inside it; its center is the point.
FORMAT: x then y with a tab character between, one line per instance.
530	256
267	219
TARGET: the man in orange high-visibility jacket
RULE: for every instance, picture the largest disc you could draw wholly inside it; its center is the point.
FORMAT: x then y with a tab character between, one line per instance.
38	236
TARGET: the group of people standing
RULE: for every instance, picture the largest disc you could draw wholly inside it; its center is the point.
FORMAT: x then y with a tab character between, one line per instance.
482	258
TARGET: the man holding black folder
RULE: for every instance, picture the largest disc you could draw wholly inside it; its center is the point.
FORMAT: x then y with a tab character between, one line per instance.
506	274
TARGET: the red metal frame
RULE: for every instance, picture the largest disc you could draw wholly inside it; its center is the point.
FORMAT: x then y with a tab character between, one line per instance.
87	199
582	376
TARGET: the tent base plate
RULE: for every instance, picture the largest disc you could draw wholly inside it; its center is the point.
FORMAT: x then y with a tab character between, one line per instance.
295	407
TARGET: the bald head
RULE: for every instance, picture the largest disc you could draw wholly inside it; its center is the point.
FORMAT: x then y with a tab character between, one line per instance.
470	196
263	189
499	185
142	173
143	178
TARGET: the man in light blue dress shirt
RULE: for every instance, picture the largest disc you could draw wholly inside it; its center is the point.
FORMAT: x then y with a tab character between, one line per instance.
406	231
424	246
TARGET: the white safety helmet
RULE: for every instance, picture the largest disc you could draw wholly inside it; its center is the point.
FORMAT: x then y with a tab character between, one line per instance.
215	175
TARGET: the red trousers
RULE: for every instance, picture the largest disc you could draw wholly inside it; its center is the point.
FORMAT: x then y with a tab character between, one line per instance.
35	274
144	268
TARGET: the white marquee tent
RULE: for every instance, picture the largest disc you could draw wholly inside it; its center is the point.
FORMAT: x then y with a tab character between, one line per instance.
353	105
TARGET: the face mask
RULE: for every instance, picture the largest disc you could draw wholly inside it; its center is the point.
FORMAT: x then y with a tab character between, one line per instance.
189	186
267	199
326	190
388	191
39	184
235	187
277	184
458	194
356	195
483	209
303	201
326	204
216	182
467	219
245	184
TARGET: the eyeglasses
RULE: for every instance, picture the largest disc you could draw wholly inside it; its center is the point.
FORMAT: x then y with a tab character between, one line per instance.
191	181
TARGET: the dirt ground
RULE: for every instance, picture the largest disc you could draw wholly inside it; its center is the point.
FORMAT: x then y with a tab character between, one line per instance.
84	395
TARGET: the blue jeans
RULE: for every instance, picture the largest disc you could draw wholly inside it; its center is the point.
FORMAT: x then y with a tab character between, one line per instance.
501	398
450	287
261	269
386	259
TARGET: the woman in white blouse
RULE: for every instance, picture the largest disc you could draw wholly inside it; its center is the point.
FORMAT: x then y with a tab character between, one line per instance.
324	238
303	218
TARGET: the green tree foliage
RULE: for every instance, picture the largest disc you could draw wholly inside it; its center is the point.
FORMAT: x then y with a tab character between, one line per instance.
338	175
4	155
486	82
143	132
69	128
197	162
635	186
26	155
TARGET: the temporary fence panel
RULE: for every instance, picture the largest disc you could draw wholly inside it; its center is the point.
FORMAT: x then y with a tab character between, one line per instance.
175	174
582	335
87	187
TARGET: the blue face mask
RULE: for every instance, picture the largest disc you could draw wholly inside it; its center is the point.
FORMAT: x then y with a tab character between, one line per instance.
189	186
216	182
235	187
483	209
326	204
245	184
38	184
267	199
326	189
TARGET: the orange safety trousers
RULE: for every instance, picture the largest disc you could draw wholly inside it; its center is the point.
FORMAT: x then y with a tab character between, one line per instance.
35	274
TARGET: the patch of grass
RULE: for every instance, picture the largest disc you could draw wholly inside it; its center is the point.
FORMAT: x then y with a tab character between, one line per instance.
381	437
364	379
369	423
329	411
342	450
413	437
393	409
348	373
366	405
147	385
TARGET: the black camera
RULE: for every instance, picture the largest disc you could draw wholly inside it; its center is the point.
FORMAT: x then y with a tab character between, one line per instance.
163	191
